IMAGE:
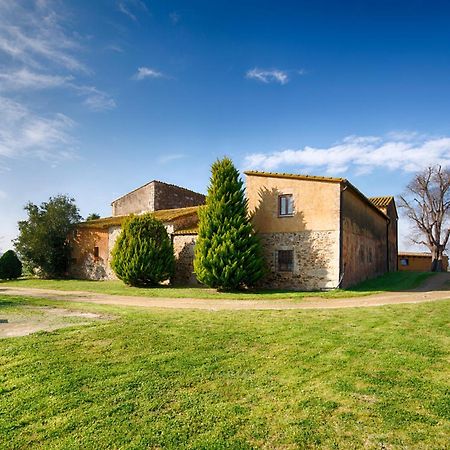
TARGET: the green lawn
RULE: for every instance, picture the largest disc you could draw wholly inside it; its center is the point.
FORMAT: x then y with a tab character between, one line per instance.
390	282
374	378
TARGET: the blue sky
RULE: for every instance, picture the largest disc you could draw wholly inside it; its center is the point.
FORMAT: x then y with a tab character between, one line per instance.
99	97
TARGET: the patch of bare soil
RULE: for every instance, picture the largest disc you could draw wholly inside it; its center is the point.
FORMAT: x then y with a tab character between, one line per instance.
35	319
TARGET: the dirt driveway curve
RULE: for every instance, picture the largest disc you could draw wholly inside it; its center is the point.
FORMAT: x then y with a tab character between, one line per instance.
435	288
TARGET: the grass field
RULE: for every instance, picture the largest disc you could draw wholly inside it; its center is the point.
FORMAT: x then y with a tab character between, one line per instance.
373	378
395	281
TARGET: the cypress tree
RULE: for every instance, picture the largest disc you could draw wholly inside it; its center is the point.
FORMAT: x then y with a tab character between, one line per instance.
227	254
143	253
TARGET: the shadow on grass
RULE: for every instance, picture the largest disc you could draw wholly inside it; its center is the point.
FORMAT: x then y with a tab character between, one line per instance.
395	282
390	282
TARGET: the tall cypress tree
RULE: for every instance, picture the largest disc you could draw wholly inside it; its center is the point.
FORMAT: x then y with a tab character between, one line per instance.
227	254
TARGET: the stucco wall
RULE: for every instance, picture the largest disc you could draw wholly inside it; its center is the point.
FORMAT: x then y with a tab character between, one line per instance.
184	246
312	232
419	263
364	240
83	262
316	204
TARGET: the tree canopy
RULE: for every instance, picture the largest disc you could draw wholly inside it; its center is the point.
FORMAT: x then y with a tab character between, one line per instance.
426	203
43	237
92	216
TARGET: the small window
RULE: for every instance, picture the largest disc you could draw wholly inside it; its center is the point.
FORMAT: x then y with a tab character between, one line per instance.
285	205
95	252
404	262
285	260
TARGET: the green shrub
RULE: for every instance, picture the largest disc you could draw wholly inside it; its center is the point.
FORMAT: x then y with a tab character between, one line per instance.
227	254
143	253
10	266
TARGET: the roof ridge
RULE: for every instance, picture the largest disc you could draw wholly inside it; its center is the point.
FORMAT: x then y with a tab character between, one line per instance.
293	175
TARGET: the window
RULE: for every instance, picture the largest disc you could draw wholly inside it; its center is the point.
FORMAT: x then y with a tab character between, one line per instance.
285	260
285	205
404	262
369	255
95	252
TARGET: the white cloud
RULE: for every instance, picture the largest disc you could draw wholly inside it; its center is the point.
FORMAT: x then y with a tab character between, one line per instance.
131	8
268	76
363	153
3	195
96	100
34	36
26	134
40	51
146	72
25	79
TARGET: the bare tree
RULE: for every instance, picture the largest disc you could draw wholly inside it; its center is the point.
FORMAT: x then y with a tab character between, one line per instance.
426	203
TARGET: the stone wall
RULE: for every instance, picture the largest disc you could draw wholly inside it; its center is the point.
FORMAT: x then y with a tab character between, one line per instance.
84	264
169	196
392	237
184	245
316	260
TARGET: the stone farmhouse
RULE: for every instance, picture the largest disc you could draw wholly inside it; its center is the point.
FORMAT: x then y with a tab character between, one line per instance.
316	232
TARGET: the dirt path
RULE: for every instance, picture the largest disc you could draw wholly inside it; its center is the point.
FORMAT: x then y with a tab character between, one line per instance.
435	288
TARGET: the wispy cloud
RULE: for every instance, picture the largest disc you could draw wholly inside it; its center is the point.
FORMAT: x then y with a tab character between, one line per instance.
26	134
146	72
171	157
26	79
268	76
132	8
39	51
35	37
95	99
3	195
407	153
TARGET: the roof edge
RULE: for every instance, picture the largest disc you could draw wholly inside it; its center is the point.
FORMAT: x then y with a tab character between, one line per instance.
294	176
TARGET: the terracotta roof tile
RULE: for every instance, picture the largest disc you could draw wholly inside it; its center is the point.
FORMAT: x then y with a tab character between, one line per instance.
381	202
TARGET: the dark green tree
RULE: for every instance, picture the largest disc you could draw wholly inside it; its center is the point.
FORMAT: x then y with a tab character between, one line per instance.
92	216
227	254
43	237
143	253
10	266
